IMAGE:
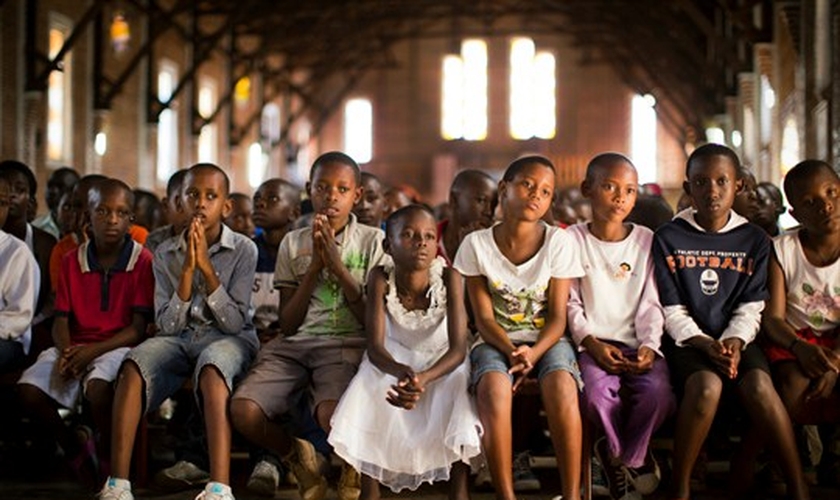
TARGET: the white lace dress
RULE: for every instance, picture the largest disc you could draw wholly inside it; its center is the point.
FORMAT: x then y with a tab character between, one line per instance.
405	448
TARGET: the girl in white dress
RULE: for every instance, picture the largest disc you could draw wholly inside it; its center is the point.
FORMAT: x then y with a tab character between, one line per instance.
407	417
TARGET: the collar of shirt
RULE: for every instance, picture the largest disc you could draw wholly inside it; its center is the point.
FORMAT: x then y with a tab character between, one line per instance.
89	261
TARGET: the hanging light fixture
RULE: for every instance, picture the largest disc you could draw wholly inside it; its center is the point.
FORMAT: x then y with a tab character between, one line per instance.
242	90
120	32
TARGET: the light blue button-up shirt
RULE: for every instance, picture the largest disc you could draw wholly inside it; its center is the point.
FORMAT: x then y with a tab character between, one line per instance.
228	309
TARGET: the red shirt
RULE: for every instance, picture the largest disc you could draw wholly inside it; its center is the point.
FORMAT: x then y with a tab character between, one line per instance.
100	303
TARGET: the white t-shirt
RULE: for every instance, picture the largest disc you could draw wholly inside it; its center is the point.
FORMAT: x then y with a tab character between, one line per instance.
617	300
813	293
519	293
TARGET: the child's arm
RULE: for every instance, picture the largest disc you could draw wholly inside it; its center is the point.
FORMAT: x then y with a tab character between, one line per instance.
324	241
650	324
485	320
375	327
231	303
456	323
19	290
555	323
75	359
813	359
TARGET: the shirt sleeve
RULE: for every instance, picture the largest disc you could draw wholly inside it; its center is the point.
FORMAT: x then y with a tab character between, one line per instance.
63	293
565	258
144	291
466	260
231	304
170	311
745	322
284	276
650	319
20	293
578	322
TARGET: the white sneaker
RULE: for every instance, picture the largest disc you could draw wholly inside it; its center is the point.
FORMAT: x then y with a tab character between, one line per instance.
216	491
264	479
116	489
181	476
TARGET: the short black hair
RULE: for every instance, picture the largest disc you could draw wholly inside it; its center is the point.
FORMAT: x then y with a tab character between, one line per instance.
520	163
175	183
213	168
464	177
603	160
397	215
709	150
108	186
239	196
802	172
775	194
337	157
23	169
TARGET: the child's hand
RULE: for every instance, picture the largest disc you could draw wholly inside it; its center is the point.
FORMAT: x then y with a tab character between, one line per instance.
190	260
317	262
76	360
406	392
732	350
609	357
815	360
822	387
330	255
522	360
202	254
719	355
644	361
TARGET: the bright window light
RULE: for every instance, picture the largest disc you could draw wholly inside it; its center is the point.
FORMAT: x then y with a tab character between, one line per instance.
643	138
532	86
452	104
737	138
100	143
464	103
358	129
208	137
790	145
58	97
257	161
167	133
715	135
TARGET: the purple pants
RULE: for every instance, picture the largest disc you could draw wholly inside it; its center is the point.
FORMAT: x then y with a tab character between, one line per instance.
629	407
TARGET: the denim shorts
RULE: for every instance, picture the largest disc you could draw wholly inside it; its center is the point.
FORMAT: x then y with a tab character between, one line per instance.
165	362
485	358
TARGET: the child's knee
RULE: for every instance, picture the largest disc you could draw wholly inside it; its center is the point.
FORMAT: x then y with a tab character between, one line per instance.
245	414
703	393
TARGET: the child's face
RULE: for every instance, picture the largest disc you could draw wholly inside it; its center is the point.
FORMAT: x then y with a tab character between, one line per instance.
110	218
394	200
412	242
205	198
333	191
176	215
712	184
20	200
79	205
768	210
4	201
613	192
529	194
371	207
66	216
240	218
815	206
746	200
476	202
273	208
57	186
